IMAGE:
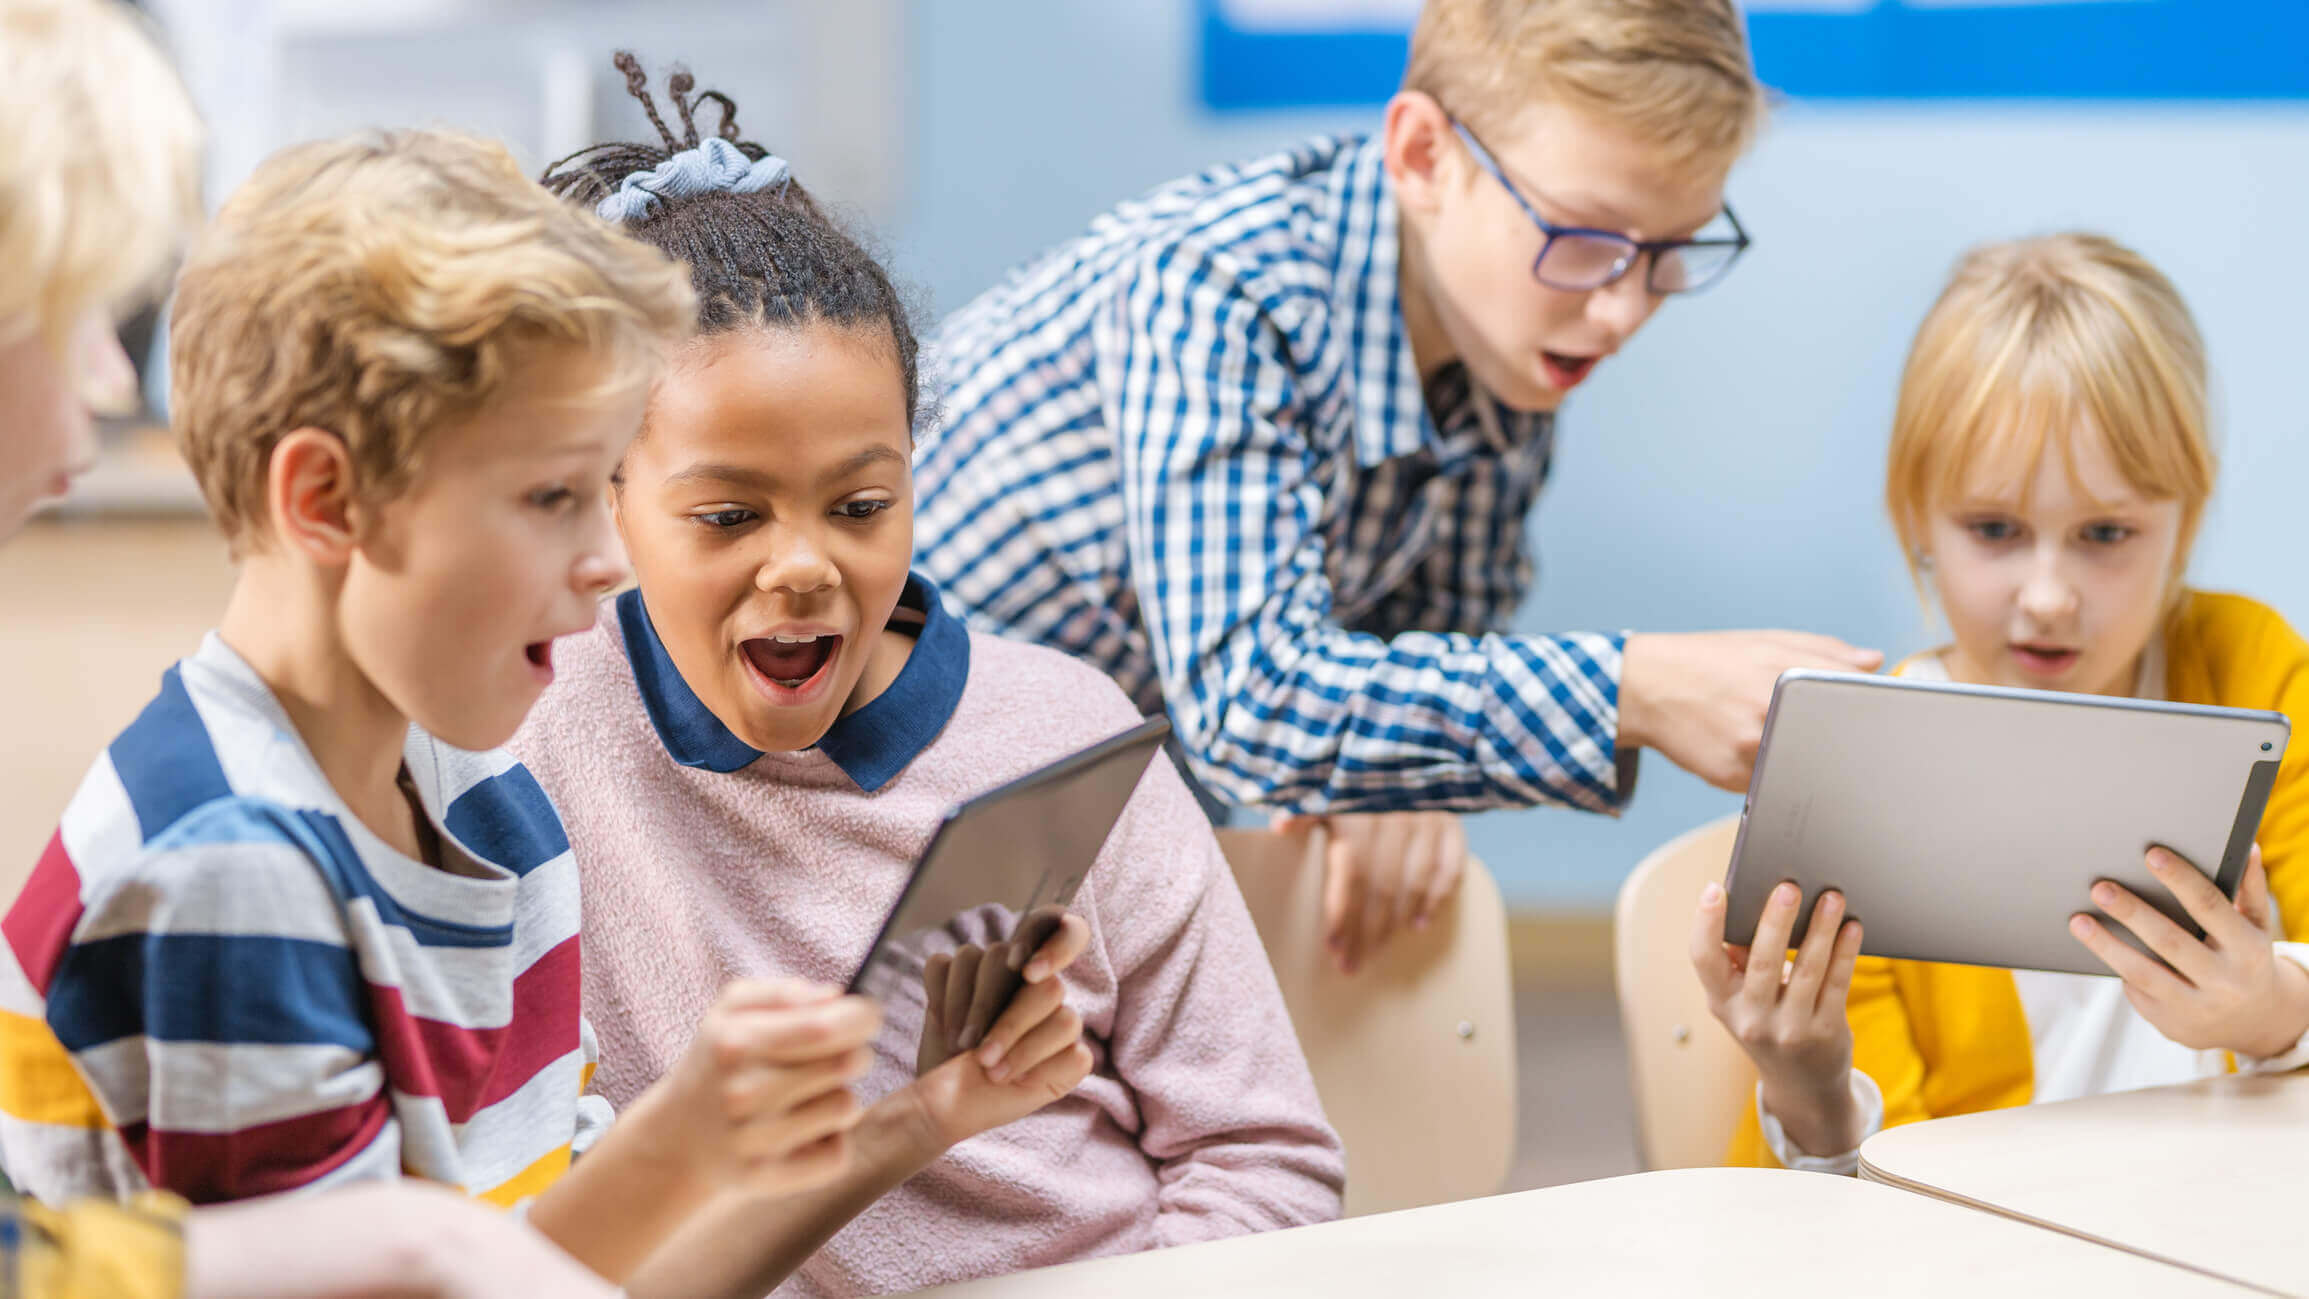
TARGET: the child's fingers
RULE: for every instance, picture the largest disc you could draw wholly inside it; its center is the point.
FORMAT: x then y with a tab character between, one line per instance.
995	987
2141	973
2181	950
1054	1034
1707	951
762	1090
1441	885
1762	984
961	983
1422	850
763	994
775	1136
1836	989
1451	848
2224	926
1385	852
790	1034
2253	896
934	973
1034	1003
1061	949
1831	650
1058	1075
1811	972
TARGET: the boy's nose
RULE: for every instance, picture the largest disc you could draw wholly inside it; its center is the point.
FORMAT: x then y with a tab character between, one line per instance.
1623	306
603	566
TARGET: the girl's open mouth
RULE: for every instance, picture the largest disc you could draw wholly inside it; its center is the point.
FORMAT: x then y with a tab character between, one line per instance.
791	669
541	660
2044	660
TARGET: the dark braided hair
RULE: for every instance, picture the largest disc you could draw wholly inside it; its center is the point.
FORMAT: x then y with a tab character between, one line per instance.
771	258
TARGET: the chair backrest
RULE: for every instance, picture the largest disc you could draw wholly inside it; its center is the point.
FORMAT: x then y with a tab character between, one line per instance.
1691	1082
1414	1054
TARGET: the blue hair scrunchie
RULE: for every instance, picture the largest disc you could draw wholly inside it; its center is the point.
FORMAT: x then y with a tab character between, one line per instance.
714	166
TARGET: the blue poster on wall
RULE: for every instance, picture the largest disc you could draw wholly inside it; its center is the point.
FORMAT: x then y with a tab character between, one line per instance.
1297	53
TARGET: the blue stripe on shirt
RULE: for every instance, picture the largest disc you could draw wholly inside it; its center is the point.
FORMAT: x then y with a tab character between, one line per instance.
508	820
282	992
165	760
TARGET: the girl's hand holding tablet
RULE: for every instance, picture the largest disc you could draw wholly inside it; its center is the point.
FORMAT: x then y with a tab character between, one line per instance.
988	998
1032	1054
2226	991
1788	1015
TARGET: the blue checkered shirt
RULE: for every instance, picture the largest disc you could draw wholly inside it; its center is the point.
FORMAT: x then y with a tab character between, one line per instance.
1192	447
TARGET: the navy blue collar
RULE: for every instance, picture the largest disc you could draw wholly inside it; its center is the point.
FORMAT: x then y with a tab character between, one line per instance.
871	745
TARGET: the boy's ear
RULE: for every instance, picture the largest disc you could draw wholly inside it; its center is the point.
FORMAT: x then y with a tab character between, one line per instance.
309	496
1417	146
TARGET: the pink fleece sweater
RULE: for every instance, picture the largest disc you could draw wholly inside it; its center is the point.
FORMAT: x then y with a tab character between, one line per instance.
1199	1119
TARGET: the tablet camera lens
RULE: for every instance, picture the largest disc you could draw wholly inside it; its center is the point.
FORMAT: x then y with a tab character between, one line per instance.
2265	746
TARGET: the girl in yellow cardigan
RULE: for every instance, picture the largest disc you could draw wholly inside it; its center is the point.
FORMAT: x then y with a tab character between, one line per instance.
2049	466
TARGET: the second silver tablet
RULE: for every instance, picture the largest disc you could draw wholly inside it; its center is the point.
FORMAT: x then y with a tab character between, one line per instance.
1968	823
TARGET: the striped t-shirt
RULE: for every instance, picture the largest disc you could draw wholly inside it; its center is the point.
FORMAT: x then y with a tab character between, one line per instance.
220	983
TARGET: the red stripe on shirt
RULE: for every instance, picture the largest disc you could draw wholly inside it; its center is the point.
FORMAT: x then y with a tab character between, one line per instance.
470	1069
39	927
212	1167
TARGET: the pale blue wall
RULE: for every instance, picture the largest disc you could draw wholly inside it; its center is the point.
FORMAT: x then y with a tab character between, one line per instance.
1723	471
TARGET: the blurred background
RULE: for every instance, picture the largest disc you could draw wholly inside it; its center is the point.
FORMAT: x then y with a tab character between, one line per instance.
1724	471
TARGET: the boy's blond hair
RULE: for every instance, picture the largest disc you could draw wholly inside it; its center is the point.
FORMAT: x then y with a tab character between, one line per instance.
380	285
1675	73
99	163
2034	344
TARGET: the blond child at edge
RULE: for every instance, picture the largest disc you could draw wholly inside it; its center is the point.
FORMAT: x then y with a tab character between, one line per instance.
99	155
2049	468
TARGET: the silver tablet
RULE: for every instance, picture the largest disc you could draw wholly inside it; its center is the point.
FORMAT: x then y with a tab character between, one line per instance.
1002	867
1968	823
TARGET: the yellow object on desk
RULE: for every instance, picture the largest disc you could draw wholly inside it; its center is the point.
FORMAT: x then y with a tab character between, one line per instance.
92	1250
2206	1175
1719	1232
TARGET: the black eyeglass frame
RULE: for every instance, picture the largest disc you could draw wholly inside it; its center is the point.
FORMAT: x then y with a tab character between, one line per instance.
1646	250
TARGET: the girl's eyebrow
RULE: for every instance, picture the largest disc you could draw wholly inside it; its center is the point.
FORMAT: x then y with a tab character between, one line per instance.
719	473
879	453
748	476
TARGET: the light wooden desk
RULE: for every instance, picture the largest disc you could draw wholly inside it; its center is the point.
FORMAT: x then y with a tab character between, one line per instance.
2208	1175
1690	1232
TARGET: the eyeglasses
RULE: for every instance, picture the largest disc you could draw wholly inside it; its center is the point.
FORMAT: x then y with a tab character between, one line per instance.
1577	259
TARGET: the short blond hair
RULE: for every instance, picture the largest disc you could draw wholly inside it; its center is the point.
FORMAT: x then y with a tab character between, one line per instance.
1672	72
2033	344
99	163
380	285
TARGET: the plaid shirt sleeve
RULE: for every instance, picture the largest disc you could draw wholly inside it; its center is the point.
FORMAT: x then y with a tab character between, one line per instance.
1275	703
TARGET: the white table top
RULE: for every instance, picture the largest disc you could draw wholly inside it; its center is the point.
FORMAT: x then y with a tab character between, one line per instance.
2212	1175
1706	1231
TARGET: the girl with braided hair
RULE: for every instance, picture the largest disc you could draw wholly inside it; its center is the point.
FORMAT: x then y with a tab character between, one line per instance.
752	747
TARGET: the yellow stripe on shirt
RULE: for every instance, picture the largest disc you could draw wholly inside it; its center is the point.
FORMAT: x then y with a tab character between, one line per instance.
38	1081
529	1182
